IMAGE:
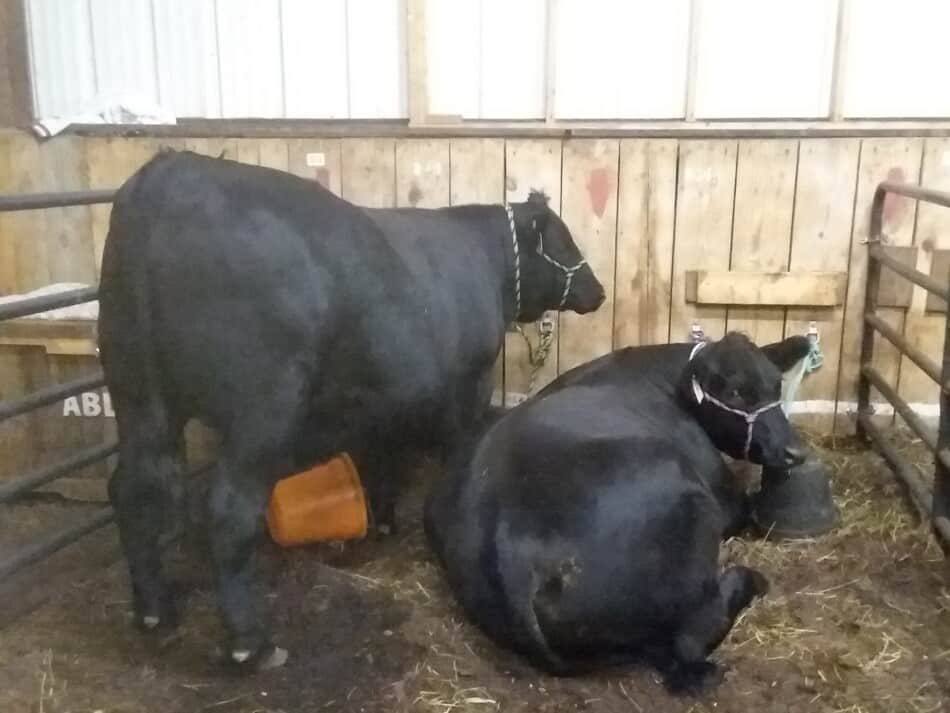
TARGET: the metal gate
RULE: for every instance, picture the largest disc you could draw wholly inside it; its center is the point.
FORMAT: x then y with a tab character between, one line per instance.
935	504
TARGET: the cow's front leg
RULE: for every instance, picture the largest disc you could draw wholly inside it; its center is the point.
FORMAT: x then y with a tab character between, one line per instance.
383	469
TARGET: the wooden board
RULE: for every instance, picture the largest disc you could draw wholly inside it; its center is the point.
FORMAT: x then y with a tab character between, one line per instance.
369	172
273	153
589	207
939	270
111	160
54	336
422	173
821	238
319	160
896	290
8	268
530	164
70	251
932	233
776	289
762	227
214	147
477	171
645	225
705	194
881	159
477	175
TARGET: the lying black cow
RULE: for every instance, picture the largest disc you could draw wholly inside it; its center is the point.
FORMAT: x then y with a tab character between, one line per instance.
583	527
298	326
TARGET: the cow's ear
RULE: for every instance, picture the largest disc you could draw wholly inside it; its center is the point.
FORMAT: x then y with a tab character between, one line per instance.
787	353
538	209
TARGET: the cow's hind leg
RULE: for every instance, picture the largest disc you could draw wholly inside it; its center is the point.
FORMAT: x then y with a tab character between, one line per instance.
254	456
141	492
707	626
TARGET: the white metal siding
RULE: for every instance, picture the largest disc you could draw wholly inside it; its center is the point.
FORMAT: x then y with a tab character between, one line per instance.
897	59
486	58
63	66
764	58
186	39
221	58
493	59
621	59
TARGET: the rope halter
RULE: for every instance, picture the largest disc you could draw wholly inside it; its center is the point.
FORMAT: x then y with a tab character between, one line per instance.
569	272
749	416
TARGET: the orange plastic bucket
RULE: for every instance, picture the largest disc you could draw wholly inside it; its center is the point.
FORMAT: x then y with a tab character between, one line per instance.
323	503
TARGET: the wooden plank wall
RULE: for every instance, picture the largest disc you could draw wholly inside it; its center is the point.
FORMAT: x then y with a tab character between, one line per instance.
644	212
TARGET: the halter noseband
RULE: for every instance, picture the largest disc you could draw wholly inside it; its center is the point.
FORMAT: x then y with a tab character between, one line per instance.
749	416
569	272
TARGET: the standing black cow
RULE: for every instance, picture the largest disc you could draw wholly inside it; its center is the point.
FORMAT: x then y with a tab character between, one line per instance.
298	326
584	525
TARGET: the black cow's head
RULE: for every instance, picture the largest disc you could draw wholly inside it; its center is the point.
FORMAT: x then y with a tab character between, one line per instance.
553	272
734	388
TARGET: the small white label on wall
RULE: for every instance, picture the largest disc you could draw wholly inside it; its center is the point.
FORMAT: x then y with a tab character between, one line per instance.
89	404
318	159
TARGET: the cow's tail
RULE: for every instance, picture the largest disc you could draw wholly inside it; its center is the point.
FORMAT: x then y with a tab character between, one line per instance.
125	302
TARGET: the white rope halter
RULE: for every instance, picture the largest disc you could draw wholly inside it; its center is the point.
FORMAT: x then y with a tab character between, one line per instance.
749	416
569	272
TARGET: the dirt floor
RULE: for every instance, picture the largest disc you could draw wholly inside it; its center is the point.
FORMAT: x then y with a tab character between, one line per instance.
857	621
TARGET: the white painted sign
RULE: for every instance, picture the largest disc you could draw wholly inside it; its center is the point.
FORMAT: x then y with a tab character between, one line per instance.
317	159
89	404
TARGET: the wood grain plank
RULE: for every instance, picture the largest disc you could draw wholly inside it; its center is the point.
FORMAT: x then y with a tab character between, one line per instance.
477	175
477	171
925	330
821	239
319	160
369	172
773	289
530	164
896	159
704	202
762	226
274	153
111	160
589	207
422	173
645	227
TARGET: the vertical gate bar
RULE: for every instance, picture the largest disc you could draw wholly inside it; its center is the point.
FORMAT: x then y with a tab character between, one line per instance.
941	496
870	307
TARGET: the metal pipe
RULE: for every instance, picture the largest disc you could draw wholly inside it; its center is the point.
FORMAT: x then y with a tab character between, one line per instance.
926	364
908	190
49	395
36	551
916	276
902	469
35	305
63	199
9	489
916	423
867	341
941	496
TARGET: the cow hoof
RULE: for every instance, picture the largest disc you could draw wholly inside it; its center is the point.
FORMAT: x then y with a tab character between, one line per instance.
694	679
275	657
267	658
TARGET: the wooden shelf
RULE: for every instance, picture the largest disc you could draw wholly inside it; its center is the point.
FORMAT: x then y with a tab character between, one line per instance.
57	337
